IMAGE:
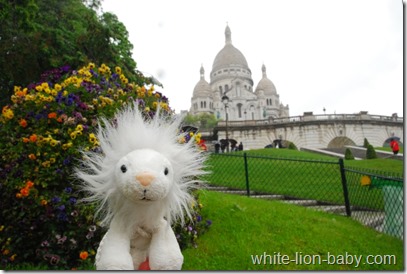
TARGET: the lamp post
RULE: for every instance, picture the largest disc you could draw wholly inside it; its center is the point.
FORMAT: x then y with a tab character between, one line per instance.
225	101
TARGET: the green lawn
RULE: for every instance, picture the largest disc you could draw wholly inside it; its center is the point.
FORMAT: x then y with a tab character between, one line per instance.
244	227
298	174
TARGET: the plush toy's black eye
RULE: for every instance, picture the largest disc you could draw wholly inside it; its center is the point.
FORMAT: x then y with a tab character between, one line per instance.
123	168
165	171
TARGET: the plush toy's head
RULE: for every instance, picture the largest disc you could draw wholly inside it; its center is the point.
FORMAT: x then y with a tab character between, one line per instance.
141	162
144	175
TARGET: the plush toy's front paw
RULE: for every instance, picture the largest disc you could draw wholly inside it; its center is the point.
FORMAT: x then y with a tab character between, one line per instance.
173	264
118	263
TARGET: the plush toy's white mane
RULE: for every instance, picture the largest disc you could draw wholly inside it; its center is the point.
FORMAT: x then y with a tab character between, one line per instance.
130	131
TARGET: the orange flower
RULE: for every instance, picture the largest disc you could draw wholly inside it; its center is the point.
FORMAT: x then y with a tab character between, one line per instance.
44	202
29	184
26	140
32	156
25	191
23	123
18	195
52	115
83	255
13	257
33	138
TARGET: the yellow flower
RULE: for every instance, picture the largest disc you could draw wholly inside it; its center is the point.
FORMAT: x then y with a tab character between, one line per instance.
38	88
118	70
66	146
52	160
46	164
7	113
73	135
14	99
79	127
92	138
91	66
53	142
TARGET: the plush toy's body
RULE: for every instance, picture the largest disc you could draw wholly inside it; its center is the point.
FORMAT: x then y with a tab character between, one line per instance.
142	181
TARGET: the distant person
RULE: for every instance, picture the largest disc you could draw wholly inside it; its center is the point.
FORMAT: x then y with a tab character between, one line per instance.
217	148
394	146
240	146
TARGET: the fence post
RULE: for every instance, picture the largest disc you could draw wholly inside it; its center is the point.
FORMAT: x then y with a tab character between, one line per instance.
345	187
246	170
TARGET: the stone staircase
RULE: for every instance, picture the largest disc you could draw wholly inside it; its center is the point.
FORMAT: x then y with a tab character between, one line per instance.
372	219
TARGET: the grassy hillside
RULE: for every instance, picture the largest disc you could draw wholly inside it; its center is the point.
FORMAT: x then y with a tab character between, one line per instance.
245	227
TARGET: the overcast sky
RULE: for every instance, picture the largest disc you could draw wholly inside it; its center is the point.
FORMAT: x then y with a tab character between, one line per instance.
345	56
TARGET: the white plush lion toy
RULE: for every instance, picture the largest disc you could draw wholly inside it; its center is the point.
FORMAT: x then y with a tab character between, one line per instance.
142	182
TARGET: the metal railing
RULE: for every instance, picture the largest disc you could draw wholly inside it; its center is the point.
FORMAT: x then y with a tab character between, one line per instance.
372	197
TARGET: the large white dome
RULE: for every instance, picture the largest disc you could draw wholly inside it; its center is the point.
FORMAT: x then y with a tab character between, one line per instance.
229	55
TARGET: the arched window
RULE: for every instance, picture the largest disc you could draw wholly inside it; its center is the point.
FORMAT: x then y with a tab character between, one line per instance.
239	110
238	90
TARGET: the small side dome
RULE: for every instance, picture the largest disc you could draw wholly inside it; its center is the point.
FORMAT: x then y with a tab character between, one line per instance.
265	84
202	88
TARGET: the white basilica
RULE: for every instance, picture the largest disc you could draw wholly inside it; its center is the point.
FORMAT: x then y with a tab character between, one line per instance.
231	79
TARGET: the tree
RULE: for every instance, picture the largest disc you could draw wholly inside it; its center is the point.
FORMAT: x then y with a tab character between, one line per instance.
365	143
202	120
370	152
39	35
349	154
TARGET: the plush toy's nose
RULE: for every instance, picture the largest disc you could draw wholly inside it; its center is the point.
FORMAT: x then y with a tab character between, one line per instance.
145	178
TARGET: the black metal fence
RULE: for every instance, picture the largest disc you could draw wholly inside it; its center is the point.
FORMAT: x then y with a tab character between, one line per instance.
372	197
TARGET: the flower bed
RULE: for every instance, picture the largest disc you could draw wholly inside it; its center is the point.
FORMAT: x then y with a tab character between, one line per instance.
41	133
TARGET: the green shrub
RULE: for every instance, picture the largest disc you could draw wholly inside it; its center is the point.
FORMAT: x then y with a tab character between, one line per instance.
349	154
291	145
41	132
370	152
365	143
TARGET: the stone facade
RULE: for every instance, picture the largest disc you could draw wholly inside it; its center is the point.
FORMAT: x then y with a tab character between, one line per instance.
315	131
231	76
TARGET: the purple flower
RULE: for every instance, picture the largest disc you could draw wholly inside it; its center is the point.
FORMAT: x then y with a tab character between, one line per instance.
62	217
68	190
55	200
208	222
72	200
66	161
